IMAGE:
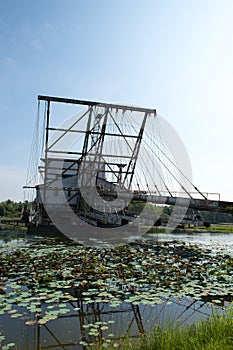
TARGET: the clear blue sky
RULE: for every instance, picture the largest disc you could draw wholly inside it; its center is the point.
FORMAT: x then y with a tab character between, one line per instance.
175	56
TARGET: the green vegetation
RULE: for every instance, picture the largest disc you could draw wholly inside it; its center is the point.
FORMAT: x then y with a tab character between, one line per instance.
215	217
136	207
195	229
164	212
212	229
157	229
11	209
221	228
216	333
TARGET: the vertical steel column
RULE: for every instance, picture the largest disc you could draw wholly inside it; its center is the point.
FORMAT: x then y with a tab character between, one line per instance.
46	150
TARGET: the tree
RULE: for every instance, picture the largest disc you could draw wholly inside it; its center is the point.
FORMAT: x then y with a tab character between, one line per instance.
11	209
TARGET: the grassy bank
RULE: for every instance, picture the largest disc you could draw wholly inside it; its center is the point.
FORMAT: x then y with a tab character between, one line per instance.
7	227
221	228
11	224
212	229
215	333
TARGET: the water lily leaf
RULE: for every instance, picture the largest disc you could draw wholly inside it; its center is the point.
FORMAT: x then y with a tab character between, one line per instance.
16	315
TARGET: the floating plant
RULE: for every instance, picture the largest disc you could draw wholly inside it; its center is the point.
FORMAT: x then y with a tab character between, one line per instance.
44	279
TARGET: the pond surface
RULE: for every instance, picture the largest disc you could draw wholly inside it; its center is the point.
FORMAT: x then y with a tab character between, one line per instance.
60	296
217	242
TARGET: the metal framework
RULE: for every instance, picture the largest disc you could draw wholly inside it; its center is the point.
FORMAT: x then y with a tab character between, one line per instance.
93	155
88	161
94	103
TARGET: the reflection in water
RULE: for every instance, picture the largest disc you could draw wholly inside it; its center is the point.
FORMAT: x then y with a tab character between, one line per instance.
82	323
85	324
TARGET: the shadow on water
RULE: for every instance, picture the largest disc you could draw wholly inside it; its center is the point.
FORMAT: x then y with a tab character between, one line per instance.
81	318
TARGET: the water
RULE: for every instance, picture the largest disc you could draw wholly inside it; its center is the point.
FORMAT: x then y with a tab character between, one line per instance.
68	331
217	242
78	327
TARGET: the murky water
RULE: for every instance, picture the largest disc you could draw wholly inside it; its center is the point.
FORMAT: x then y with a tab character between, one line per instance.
85	323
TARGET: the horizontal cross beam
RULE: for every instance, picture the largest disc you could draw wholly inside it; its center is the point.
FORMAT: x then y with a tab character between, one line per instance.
95	103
